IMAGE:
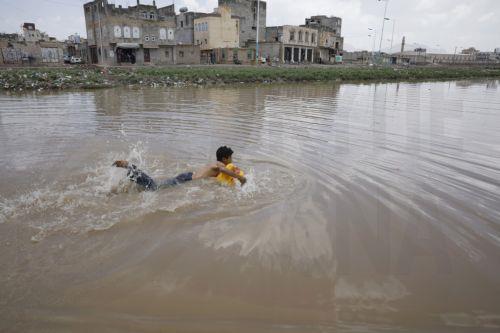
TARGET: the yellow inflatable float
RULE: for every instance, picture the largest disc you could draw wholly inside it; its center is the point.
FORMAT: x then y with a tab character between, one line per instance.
226	179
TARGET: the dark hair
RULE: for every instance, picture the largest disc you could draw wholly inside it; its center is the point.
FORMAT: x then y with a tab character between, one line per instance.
223	152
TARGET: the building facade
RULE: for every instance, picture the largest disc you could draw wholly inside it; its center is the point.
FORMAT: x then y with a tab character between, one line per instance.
289	44
30	48
246	10
330	41
218	30
184	33
29	33
140	34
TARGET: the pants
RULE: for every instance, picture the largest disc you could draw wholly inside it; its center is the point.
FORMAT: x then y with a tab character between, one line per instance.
142	179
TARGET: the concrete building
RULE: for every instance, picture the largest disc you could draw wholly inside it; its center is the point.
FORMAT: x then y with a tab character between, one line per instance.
14	50
423	58
218	30
330	40
29	33
184	33
75	46
140	34
289	44
246	10
470	50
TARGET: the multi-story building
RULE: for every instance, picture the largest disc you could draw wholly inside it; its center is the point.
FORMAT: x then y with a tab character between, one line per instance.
142	34
289	44
39	49
246	10
184	33
330	40
216	31
29	33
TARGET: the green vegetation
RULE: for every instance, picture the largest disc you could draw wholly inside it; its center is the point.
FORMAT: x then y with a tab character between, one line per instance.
80	77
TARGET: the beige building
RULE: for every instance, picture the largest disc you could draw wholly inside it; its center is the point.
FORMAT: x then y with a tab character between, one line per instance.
217	30
289	44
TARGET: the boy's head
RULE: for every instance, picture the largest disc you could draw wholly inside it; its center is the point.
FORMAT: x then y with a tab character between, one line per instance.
224	155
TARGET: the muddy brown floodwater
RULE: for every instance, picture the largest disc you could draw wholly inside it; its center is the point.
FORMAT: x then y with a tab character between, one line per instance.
369	208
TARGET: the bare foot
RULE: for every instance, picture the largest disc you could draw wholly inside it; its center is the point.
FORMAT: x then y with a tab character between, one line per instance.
121	164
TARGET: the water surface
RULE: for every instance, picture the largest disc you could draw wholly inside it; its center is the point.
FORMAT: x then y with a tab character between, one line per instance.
369	207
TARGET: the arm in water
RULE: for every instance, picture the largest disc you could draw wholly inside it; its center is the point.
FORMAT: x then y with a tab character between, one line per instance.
221	168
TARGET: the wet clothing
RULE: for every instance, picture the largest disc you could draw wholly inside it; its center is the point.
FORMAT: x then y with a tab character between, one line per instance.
137	175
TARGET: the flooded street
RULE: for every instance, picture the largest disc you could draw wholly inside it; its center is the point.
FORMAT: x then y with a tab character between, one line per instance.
368	208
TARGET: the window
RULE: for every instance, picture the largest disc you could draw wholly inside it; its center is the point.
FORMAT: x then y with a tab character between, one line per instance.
197	42
307	37
182	24
144	15
206	42
146	38
163	33
167	54
249	55
313	38
181	54
153	38
300	36
292	35
151	15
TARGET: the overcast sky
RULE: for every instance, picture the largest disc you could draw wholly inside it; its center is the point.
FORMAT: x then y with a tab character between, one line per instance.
437	24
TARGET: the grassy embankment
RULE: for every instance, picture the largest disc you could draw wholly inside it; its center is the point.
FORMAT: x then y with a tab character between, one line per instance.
79	77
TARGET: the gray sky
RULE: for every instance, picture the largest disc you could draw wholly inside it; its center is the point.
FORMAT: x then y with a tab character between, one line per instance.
437	24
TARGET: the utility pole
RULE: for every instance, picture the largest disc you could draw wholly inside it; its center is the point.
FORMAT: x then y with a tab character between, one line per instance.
100	32
393	25
257	37
383	24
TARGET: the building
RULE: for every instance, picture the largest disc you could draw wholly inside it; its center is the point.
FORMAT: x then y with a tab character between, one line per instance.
330	41
422	58
184	33
289	44
30	47
140	34
497	50
75	46
470	50
218	30
246	10
29	33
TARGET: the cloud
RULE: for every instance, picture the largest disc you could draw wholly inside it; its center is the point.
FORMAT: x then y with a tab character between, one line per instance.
486	17
429	22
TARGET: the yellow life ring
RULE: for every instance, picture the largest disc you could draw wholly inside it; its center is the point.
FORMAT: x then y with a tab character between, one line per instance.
226	179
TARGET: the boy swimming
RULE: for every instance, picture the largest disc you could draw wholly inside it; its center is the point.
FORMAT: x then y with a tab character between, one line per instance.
224	157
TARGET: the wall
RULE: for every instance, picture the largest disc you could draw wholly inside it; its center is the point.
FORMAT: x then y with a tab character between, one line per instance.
218	30
246	10
296	30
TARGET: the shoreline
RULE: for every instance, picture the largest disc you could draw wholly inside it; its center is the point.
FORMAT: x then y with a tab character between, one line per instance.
89	77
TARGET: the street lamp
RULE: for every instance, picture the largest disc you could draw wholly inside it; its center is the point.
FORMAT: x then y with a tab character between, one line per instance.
393	26
383	24
374	35
257	36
